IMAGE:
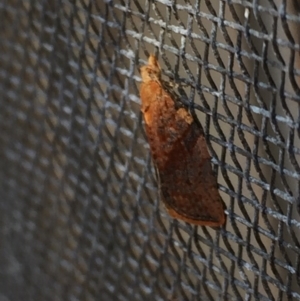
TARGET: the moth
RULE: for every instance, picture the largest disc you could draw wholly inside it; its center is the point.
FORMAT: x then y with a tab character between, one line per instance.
178	147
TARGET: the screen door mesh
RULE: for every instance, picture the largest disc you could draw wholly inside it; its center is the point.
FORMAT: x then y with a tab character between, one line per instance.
80	214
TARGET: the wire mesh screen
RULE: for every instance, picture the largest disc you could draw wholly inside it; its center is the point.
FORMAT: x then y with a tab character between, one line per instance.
81	217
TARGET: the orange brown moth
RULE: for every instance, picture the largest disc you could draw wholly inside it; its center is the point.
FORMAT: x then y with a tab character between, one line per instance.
188	186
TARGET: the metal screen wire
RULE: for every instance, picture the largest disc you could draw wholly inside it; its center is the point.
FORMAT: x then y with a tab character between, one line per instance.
80	214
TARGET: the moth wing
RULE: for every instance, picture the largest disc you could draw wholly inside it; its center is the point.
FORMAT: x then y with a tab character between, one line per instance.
187	183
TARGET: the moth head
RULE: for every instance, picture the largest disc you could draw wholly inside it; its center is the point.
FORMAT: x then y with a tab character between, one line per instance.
152	71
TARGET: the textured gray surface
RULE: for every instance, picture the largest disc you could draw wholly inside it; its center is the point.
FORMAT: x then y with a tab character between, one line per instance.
80	218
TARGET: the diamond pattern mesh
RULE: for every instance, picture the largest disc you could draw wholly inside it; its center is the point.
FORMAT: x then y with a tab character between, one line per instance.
80	213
